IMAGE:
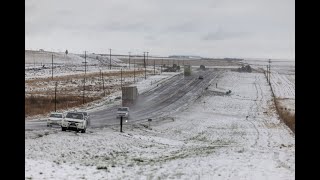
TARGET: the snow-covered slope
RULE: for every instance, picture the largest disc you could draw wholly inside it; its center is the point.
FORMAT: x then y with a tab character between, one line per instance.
45	57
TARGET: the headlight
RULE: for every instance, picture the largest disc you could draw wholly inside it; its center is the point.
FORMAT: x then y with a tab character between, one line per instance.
81	124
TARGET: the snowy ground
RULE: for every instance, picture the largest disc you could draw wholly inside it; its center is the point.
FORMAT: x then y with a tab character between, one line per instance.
39	64
282	81
217	137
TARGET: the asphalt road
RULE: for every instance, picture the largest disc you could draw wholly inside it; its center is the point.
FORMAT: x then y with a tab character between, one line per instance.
167	98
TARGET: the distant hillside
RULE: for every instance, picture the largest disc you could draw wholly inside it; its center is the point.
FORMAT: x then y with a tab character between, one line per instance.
45	57
185	56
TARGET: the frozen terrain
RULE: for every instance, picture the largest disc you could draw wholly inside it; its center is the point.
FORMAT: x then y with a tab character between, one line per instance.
39	64
282	80
217	136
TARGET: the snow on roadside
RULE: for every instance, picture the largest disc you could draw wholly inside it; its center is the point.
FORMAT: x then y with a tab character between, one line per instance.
282	80
237	136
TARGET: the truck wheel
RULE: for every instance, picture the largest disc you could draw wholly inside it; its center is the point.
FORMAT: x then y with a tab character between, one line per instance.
63	128
83	130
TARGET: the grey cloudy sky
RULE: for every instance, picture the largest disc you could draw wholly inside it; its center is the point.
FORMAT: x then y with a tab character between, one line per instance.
209	28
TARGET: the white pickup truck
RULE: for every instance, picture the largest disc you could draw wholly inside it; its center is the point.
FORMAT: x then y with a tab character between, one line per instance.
74	121
124	112
54	118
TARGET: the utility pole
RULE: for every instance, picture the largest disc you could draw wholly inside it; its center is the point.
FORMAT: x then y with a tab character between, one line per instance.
134	70
34	61
161	66
55	98
103	85
154	67
145	70
121	123
144	60
84	79
85	63
129	60
52	67
147	59
100	79
110	58
84	85
121	79
269	71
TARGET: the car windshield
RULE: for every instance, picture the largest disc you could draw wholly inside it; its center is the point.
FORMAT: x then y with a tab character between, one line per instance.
122	109
56	115
84	113
74	116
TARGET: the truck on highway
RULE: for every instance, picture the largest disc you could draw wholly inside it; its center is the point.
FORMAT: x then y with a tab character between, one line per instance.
124	112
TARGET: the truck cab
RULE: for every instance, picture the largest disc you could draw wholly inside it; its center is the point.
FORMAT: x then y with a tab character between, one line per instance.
124	112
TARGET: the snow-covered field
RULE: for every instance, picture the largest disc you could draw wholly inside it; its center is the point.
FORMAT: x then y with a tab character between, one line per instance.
237	136
283	86
282	80
39	64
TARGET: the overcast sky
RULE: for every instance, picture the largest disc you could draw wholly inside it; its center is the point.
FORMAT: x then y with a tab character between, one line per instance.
208	28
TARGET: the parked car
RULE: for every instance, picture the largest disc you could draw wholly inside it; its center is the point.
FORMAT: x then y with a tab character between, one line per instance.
74	121
124	112
200	77
54	119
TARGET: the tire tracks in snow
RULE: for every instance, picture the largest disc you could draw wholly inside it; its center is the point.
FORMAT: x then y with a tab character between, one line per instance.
254	115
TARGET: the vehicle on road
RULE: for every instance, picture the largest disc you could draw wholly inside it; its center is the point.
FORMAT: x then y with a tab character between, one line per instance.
54	119
200	77
124	112
74	121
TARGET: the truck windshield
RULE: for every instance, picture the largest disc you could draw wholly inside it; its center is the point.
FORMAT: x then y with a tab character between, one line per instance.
56	115
84	113
122	109
74	116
